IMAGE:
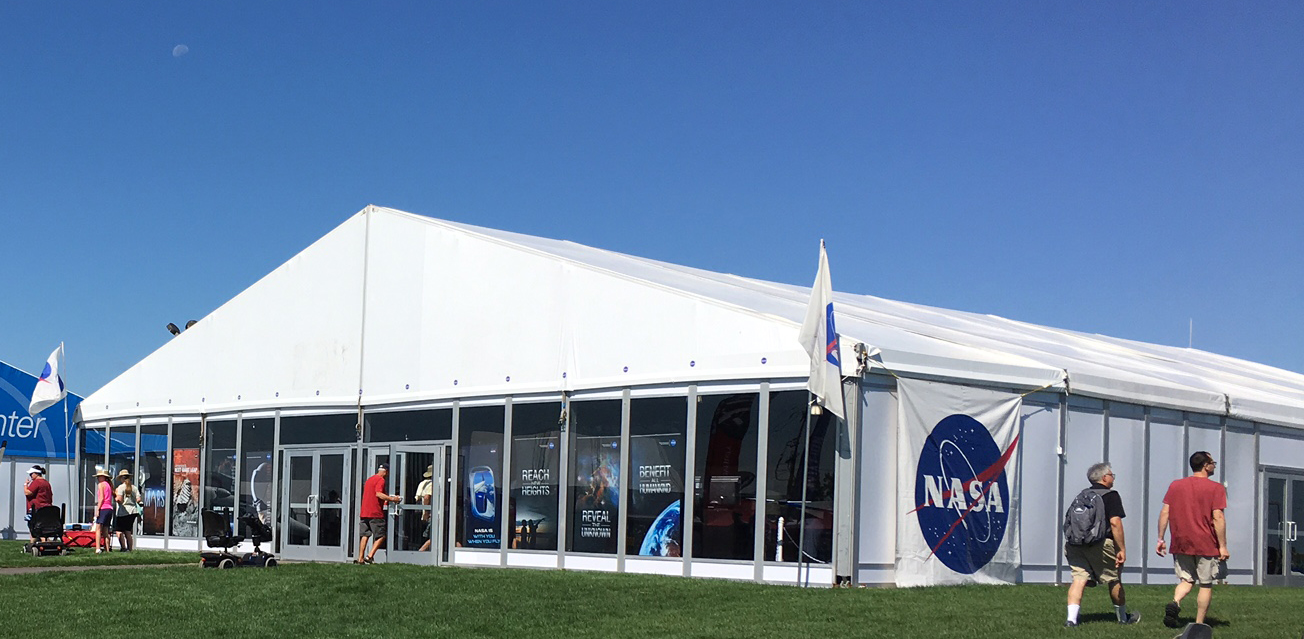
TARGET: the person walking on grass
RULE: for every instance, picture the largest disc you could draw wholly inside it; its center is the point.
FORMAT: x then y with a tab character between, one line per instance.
104	510
372	513
1194	506
1094	543
128	511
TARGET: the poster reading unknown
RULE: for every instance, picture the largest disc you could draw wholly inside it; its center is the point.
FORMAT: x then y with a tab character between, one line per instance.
656	495
536	470
185	492
482	504
597	484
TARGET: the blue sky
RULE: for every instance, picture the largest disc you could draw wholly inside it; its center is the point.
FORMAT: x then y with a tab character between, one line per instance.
1111	167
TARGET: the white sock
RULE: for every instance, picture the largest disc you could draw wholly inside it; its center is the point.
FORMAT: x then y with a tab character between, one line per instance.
1073	612
1121	611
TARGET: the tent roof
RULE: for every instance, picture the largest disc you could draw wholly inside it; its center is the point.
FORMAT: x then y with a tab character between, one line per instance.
392	307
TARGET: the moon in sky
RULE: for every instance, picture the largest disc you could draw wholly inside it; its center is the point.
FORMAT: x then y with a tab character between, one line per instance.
180	50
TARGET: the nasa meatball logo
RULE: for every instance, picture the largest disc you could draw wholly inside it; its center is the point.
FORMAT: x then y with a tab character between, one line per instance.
961	493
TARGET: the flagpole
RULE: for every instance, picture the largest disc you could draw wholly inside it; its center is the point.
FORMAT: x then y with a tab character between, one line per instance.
805	481
67	448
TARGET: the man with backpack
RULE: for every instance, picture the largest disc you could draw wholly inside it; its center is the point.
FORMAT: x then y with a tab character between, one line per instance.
1094	543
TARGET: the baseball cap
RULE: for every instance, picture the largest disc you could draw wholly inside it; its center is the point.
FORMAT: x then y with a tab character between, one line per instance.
382	467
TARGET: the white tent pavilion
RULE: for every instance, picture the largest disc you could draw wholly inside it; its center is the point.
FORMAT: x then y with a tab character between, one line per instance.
394	309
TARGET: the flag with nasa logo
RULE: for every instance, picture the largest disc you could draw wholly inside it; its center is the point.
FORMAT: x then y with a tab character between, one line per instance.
957	479
49	388
819	336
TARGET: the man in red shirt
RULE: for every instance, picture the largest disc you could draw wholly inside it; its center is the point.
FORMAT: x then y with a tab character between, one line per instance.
38	492
372	513
1194	505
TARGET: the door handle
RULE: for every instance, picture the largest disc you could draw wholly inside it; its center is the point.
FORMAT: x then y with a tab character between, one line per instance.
1294	531
312	505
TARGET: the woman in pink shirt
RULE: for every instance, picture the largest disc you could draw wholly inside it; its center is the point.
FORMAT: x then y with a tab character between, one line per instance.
104	505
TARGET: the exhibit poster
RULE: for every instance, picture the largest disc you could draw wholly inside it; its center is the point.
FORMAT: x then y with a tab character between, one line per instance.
482	504
597	485
656	495
185	492
535	475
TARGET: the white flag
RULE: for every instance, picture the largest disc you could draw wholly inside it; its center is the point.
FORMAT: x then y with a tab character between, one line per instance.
49	388
820	339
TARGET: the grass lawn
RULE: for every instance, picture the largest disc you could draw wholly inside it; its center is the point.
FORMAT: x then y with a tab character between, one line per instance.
12	556
335	600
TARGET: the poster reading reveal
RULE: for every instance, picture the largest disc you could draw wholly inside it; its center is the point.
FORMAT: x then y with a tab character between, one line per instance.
185	492
536	471
481	511
957	517
656	495
597	484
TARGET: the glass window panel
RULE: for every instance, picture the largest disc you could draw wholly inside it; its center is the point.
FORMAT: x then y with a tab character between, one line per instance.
536	475
185	480
481	467
1296	515
328	527
219	472
725	476
788	412
153	478
330	488
93	442
300	479
122	451
415	511
410	426
257	438
319	429
300	529
1275	514
595	477
656	486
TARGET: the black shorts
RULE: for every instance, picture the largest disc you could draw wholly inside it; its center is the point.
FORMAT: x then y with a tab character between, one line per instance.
104	517
372	528
124	523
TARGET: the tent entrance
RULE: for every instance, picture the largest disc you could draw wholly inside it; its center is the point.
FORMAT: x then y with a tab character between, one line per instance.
315	498
1283	556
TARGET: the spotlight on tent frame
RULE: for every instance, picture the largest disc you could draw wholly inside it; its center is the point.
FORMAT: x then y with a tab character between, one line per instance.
172	328
191	323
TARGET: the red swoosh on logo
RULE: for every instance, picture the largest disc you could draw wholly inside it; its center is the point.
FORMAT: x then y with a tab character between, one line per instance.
992	472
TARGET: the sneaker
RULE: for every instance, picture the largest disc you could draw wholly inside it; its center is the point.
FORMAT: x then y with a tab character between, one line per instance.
1070	624
1170	614
1132	617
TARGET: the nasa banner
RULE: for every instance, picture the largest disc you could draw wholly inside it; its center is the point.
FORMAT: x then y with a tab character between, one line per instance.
958	512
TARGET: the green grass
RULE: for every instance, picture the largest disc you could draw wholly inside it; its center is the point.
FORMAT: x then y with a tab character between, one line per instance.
336	600
12	556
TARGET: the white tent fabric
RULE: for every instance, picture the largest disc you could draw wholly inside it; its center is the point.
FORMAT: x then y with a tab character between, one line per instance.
393	307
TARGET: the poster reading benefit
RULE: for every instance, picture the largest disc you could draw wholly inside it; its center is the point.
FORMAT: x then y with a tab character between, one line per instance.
957	515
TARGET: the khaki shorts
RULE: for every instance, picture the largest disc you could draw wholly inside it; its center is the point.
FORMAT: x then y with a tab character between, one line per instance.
372	527
1093	562
1197	570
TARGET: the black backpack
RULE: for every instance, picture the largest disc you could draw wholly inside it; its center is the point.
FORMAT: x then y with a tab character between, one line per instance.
1085	522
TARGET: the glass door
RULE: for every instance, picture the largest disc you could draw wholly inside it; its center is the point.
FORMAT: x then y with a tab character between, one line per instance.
414	532
313	504
1283	552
